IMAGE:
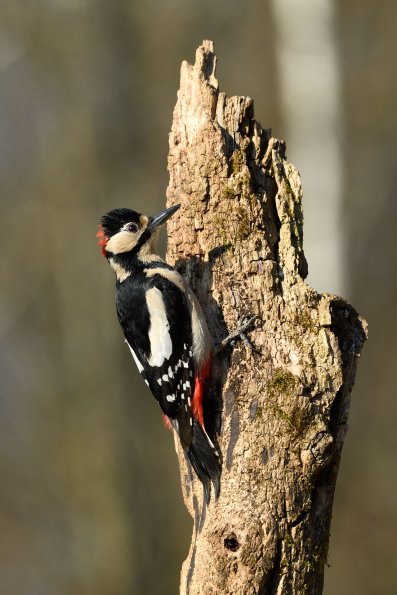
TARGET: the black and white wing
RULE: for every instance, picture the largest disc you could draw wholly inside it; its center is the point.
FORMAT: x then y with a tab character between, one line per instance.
156	323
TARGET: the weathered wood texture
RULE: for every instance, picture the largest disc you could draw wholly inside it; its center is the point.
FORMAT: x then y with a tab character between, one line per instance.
283	413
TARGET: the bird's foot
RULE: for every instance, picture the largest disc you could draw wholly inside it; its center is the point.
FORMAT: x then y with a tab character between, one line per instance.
239	333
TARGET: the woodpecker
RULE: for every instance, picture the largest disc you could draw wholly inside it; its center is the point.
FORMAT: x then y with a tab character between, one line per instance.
165	329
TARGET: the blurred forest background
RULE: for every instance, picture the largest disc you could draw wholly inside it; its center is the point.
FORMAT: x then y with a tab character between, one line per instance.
90	500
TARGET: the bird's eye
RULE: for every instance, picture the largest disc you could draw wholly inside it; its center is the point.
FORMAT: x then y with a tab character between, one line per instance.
132	227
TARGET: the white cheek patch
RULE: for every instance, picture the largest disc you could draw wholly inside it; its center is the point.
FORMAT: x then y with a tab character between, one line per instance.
159	331
121	242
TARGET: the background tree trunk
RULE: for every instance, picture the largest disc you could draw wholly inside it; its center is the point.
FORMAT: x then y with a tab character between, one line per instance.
282	413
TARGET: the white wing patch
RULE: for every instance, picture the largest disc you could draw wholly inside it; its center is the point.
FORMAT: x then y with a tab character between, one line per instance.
159	335
138	363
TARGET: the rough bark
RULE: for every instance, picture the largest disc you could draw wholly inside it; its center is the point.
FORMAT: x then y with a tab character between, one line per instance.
280	415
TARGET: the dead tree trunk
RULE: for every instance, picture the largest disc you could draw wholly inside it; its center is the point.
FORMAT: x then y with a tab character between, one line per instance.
282	420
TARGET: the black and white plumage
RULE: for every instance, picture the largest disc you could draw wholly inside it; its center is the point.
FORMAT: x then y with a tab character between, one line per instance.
165	330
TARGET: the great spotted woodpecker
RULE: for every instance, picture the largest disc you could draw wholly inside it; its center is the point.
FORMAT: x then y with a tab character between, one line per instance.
165	329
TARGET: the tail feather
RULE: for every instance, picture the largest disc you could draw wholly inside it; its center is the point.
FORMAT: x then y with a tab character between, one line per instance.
204	460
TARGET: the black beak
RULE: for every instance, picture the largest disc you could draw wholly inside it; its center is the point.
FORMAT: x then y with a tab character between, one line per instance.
161	217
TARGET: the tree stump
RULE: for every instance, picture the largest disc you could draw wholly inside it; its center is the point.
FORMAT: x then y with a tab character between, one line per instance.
280	416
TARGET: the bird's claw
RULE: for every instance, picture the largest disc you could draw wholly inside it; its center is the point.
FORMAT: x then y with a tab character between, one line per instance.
239	333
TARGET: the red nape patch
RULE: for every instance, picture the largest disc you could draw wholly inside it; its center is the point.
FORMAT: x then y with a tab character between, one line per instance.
102	239
197	401
167	422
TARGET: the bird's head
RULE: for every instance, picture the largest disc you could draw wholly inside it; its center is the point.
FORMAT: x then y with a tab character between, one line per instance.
123	231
